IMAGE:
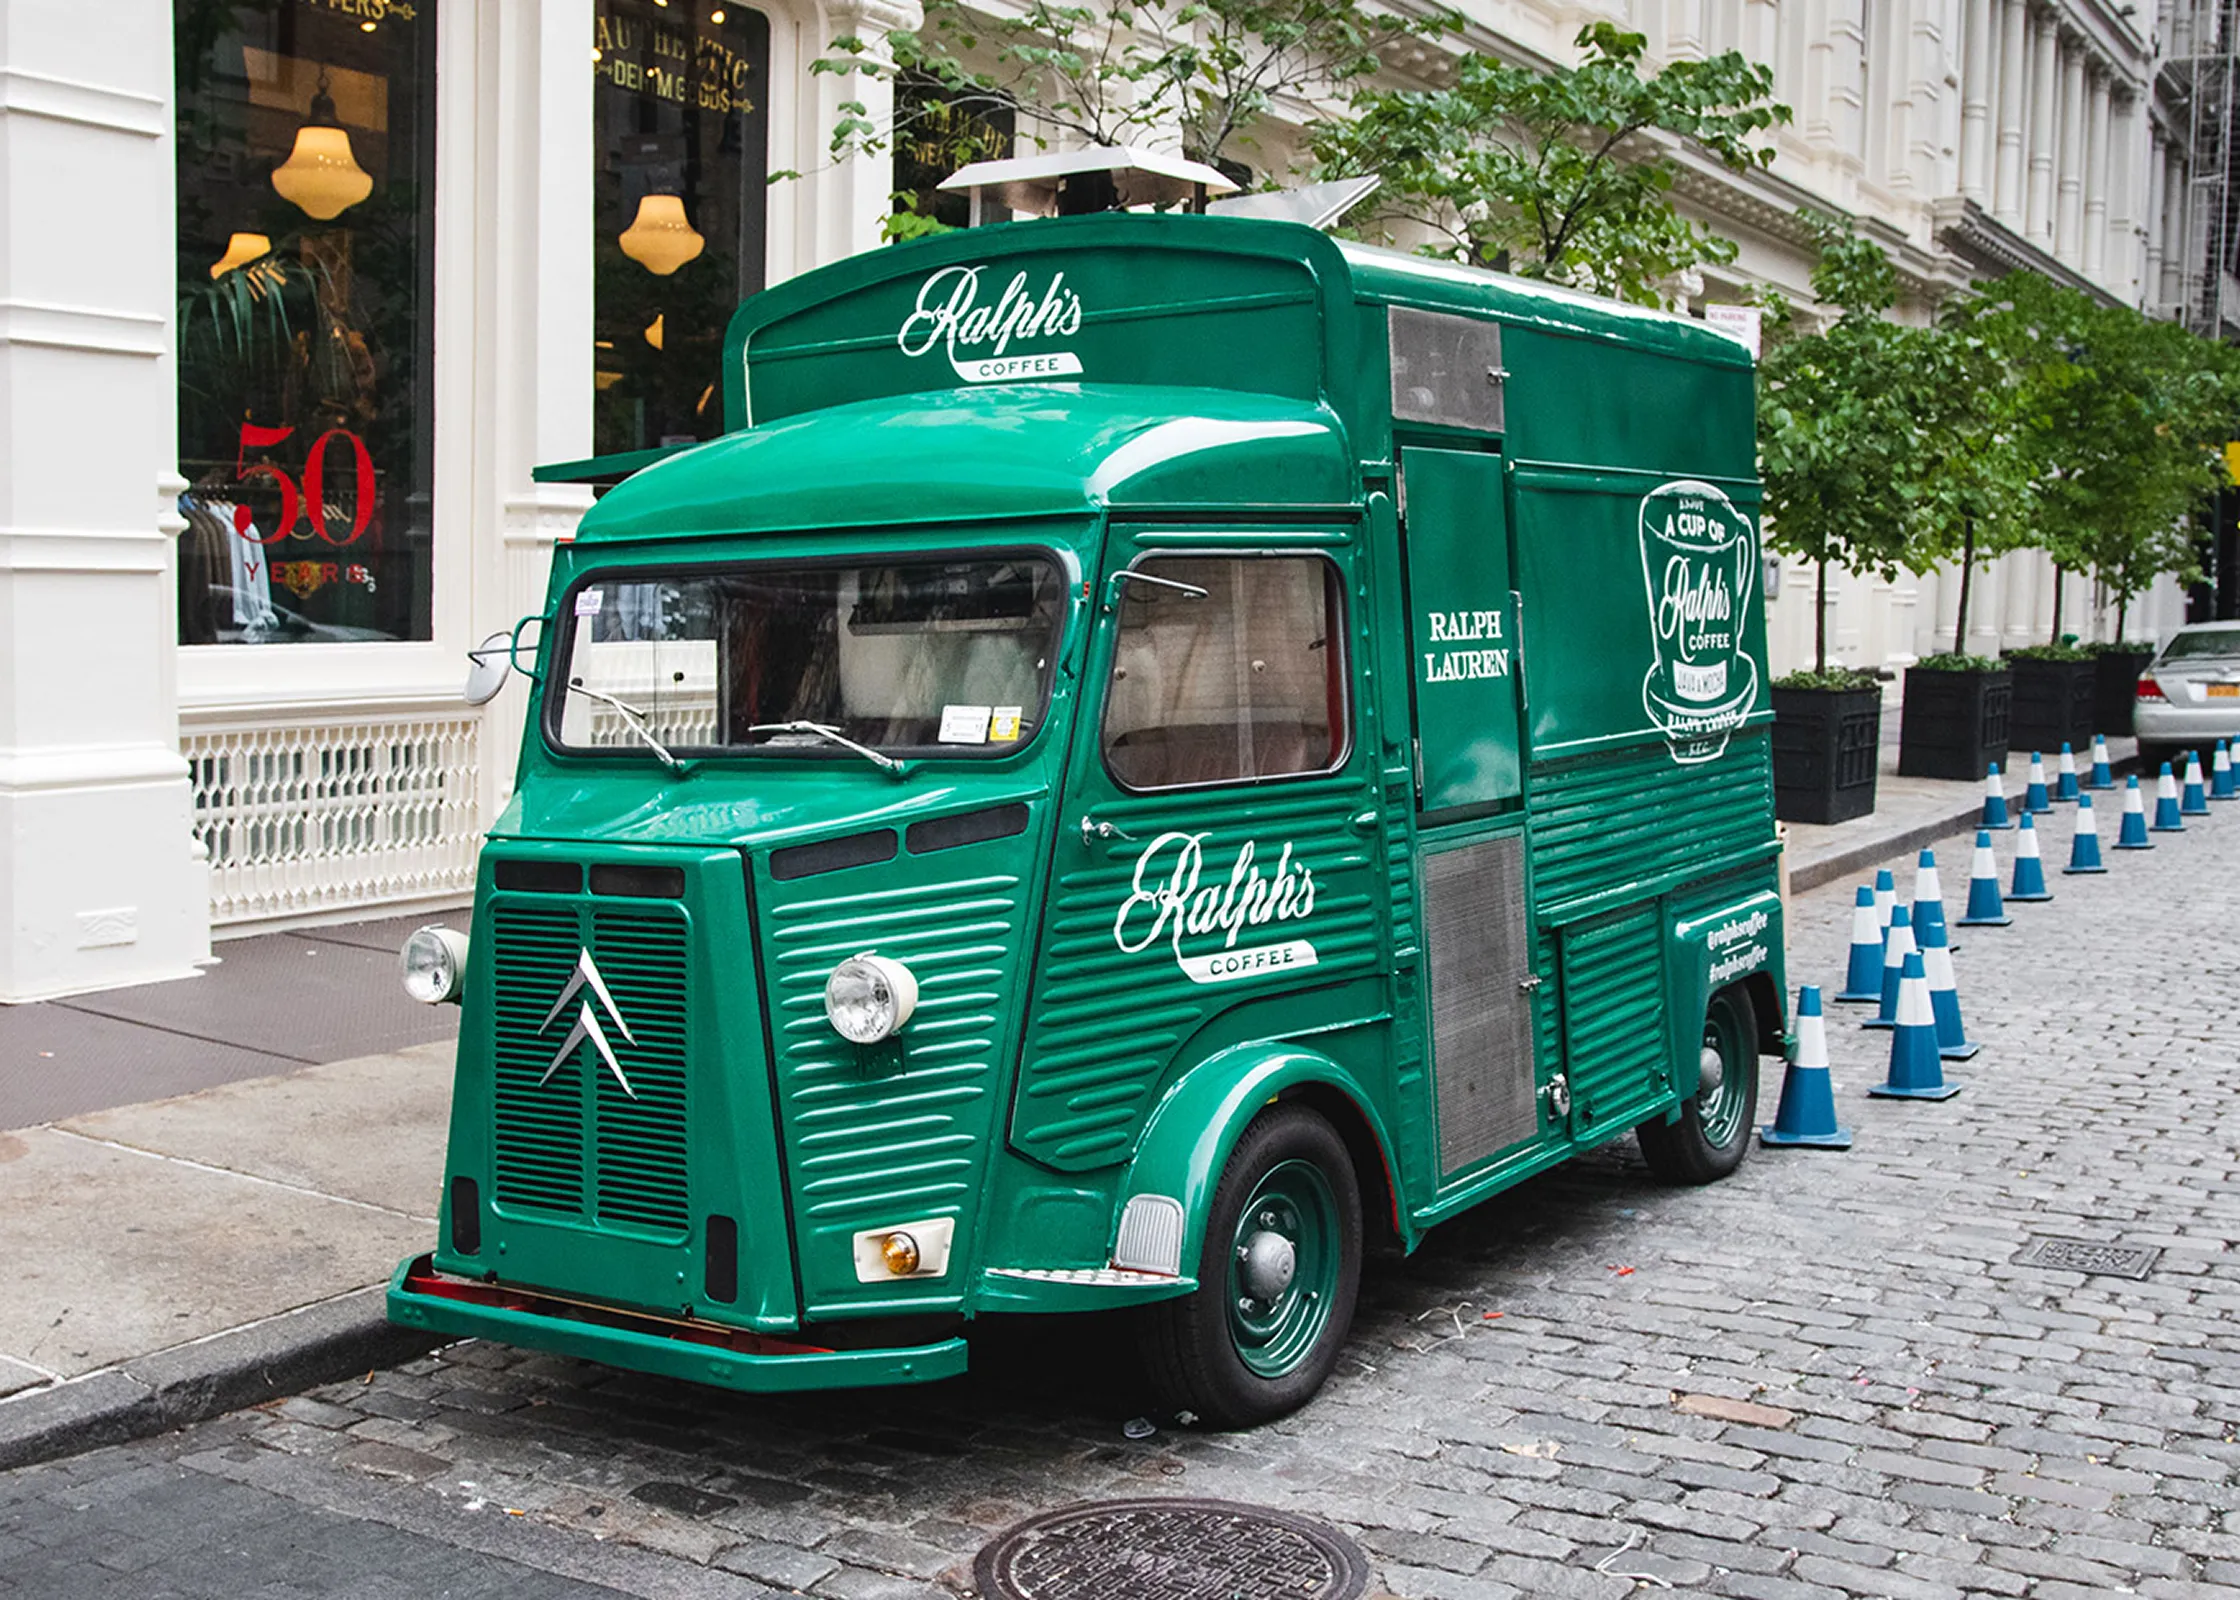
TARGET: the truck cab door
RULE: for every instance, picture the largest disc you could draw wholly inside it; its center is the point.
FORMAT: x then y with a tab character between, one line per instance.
1466	691
1218	874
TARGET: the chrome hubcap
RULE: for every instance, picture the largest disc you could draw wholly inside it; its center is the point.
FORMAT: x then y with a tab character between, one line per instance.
1712	1066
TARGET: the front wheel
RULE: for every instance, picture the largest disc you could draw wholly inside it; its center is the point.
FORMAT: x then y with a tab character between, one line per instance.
1277	1279
1713	1131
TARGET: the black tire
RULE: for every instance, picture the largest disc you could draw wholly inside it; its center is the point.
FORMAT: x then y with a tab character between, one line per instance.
1713	1131
1199	1352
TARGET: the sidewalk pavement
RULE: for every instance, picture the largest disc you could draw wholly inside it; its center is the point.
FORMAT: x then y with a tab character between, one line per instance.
175	1258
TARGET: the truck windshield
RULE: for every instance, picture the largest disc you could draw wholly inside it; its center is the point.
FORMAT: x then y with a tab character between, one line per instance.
922	657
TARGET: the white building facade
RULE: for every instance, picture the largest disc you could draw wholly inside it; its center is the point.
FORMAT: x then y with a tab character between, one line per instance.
269	430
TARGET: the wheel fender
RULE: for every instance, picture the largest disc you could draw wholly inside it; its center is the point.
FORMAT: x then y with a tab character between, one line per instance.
1199	1120
1737	944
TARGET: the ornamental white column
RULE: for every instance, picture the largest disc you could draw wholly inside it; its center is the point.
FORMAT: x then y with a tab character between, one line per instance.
2097	137
2174	263
2068	210
2006	191
532	210
841	206
2037	222
2151	190
101	877
1976	66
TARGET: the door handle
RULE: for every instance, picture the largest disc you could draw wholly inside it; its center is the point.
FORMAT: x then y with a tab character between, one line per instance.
1093	830
1364	821
1529	983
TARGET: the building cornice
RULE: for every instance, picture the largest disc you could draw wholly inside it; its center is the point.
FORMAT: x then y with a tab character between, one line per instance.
1970	233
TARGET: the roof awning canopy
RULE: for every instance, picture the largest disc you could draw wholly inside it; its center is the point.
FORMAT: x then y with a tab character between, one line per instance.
1068	183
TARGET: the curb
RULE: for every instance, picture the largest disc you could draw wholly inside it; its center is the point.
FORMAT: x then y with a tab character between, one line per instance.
192	1382
1872	852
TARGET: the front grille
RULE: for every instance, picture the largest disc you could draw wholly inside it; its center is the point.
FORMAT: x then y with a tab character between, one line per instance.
576	1143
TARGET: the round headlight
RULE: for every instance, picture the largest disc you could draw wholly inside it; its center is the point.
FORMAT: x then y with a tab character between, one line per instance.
432	963
868	997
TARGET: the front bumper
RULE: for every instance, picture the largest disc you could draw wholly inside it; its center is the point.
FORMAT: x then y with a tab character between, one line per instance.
701	1352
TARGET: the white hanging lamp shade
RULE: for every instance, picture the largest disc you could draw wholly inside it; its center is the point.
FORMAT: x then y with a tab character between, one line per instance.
241	249
321	176
659	238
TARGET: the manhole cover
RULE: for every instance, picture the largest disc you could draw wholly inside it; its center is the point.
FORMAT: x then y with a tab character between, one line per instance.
2080	1255
1170	1550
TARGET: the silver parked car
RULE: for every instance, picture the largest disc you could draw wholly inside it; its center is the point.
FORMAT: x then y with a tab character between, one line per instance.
2189	696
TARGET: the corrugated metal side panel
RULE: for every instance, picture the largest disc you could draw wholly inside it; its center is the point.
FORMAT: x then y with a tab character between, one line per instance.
894	1132
1614	1021
1106	1022
538	1133
1637	816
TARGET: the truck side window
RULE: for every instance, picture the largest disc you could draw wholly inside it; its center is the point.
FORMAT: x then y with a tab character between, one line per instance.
1248	682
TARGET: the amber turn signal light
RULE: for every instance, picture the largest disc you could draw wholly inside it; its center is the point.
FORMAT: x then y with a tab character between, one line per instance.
901	1254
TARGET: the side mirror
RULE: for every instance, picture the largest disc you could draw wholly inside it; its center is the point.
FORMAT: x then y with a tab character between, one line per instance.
492	664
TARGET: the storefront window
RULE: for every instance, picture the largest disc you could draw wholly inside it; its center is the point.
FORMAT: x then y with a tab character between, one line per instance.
306	140
683	148
935	133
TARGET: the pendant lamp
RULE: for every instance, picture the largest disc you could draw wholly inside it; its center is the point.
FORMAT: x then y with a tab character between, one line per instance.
659	238
321	177
241	249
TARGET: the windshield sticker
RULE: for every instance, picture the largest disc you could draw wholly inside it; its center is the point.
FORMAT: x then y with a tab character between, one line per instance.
1699	559
1171	901
1003	727
977	337
588	601
965	724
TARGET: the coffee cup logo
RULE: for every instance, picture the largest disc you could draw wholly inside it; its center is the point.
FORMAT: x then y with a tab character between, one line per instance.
1699	561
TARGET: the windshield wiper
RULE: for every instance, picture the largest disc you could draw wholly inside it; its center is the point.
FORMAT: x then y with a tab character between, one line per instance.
635	718
877	758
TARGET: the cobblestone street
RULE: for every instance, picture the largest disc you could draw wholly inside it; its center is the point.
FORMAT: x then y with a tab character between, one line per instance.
1828	1376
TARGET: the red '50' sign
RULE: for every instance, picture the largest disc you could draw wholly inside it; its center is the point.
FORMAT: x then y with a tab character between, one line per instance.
311	498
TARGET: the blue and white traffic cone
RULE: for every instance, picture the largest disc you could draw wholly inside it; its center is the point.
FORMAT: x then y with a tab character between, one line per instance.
2166	813
1897	944
1985	908
1862	982
1953	1042
2034	799
1808	1094
2193	801
2084	847
1928	898
2221	786
2029	870
2103	777
1916	1069
1885	900
2065	789
1995	801
2133	834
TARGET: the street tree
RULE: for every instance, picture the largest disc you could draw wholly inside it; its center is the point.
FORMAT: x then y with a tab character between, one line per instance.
1841	445
1108	72
2125	416
1558	175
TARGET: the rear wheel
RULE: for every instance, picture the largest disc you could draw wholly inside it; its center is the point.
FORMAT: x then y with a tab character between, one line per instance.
1277	1278
1713	1131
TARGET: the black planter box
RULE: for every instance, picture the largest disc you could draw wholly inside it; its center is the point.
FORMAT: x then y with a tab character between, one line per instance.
1953	724
2115	681
1826	744
2053	704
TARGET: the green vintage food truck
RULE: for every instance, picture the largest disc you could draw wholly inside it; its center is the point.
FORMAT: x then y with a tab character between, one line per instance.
1157	750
